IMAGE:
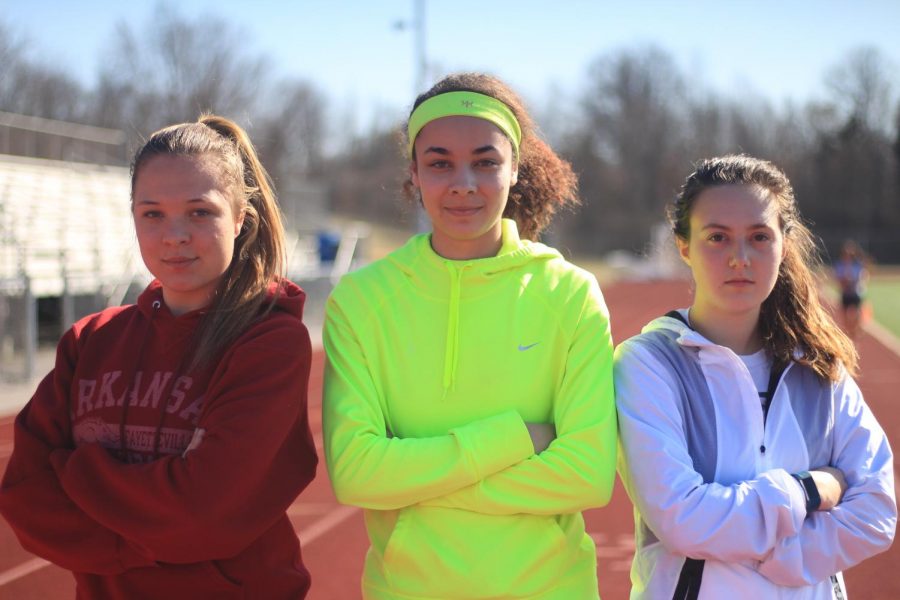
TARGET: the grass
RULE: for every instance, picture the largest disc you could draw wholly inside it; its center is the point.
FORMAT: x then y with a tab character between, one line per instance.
883	292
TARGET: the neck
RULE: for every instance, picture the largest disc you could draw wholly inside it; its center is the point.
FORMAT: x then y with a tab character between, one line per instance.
483	247
737	331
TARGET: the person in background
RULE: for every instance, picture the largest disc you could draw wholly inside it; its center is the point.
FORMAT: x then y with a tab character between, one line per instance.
468	403
851	272
158	458
755	467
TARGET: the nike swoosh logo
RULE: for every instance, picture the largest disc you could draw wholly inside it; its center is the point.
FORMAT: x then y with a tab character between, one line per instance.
524	348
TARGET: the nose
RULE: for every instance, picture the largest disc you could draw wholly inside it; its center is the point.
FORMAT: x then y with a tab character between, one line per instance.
463	181
176	233
741	256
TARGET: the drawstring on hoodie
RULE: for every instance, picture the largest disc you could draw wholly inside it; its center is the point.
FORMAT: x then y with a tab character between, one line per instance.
164	404
428	270
451	350
126	402
164	399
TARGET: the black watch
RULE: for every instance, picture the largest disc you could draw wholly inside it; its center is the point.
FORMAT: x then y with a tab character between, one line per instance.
813	500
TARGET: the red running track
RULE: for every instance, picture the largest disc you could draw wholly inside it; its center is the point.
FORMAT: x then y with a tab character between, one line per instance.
334	539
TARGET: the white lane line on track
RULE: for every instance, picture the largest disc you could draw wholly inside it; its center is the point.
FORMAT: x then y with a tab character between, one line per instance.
307	536
22	570
885	337
316	530
322	526
310	508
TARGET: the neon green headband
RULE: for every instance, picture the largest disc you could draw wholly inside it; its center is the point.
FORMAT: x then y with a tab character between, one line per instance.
467	104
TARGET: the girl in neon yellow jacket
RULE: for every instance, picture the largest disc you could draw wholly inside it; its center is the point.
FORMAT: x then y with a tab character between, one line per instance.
468	392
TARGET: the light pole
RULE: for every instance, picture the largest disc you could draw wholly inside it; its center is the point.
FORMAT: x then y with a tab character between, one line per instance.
417	24
419	46
421	78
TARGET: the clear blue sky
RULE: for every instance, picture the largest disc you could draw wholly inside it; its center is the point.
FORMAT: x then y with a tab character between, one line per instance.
353	52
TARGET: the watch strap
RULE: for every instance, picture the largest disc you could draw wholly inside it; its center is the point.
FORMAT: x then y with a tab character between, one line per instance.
813	500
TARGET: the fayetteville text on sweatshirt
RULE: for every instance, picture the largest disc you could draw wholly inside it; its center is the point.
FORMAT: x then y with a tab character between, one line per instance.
434	367
148	480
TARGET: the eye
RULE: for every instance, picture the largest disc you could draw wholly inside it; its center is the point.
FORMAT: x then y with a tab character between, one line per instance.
151	214
487	163
718	236
201	212
761	236
440	164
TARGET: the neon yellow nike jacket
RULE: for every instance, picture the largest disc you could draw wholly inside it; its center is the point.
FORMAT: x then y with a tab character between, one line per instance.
434	367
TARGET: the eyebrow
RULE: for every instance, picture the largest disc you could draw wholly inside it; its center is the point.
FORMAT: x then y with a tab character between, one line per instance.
148	201
726	227
445	152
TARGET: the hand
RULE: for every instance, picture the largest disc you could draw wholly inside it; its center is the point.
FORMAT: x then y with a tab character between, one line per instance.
541	435
831	485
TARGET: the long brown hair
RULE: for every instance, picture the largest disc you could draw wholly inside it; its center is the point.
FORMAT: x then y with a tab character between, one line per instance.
792	317
259	255
546	182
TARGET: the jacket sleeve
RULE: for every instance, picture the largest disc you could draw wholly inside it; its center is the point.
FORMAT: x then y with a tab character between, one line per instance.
256	455
40	513
864	522
577	471
730	523
370	468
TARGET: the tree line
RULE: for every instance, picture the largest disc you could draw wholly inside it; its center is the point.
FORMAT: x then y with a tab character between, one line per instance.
632	132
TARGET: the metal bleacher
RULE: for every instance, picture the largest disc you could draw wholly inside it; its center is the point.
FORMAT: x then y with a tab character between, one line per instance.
66	227
65	233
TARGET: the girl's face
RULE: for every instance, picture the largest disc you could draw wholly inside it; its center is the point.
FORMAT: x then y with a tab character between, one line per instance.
464	168
186	224
735	250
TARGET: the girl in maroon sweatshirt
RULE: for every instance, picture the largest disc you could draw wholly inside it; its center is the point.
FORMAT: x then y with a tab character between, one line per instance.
158	458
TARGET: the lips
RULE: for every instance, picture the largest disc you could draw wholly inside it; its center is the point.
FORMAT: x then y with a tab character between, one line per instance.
739	282
178	261
462	211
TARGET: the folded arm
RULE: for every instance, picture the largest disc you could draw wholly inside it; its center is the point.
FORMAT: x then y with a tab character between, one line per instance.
730	523
577	470
39	511
370	468
865	520
256	455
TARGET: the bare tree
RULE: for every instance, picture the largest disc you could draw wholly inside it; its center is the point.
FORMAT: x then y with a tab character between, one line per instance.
862	88
855	185
175	69
291	132
627	155
30	87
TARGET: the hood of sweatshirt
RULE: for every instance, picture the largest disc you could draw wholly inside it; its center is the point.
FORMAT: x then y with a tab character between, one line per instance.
684	332
288	298
691	338
456	280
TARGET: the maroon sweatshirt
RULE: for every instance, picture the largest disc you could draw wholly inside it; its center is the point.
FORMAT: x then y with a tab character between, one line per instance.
148	480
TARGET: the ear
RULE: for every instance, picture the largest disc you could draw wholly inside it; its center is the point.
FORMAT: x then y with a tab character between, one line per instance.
514	176
239	223
414	172
684	250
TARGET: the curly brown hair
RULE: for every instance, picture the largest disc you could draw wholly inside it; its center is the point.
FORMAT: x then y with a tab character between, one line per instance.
792	317
545	183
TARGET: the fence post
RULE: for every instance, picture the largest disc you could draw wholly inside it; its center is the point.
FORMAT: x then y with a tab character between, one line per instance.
31	333
67	312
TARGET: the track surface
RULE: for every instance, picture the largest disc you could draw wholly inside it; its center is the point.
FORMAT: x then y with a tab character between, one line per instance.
334	539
